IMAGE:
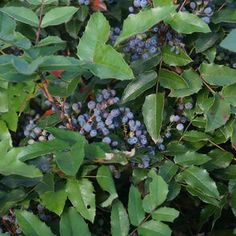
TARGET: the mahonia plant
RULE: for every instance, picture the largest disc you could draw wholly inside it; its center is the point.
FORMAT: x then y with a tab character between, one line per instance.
117	117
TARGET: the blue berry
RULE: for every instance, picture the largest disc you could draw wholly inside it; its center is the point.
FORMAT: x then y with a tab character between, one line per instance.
106	140
180	127
125	119
130	115
91	105
93	133
87	127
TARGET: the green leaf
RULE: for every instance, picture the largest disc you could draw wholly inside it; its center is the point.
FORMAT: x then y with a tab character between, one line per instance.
138	86
70	159
119	220
229	94
105	68
233	136
7	27
218	74
201	185
191	158
72	224
49	40
194	84
168	170
229	42
219	159
41	148
11	118
218	114
92	48
171	80
153	114
31	225
81	194
142	21
154	228
3	100
54	201
172	58
206	41
105	180
58	15
225	15
135	209
195	136
160	3
96	33
11	165
22	14
186	23
158	190
165	214
39	2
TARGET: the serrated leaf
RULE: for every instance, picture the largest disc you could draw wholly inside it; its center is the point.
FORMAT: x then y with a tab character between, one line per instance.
58	15
158	190
171	80
187	23
200	184
105	180
31	225
191	158
135	209
72	224
22	14
54	201
138	86
218	74
172	58
142	21
119	220
229	42
229	94
154	228
81	194
218	114
165	214
194	84
152	111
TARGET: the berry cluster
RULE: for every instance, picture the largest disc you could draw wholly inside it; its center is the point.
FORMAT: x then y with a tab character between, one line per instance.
201	8
84	2
8	224
101	119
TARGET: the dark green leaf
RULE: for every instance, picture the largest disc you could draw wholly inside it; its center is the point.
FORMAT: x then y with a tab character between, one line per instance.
165	214
153	114
229	94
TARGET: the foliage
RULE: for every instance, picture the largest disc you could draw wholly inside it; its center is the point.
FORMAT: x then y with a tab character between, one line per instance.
117	117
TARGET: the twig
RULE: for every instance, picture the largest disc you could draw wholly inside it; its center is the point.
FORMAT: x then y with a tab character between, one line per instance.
40	22
183	4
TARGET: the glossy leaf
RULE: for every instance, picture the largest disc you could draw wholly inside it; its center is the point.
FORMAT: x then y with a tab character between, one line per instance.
144	20
165	214
31	225
154	228
218	114
119	220
58	15
173	58
186	23
153	114
200	184
22	14
135	209
224	15
158	190
72	224
54	201
168	170
105	180
81	194
138	86
218	74
229	94
191	158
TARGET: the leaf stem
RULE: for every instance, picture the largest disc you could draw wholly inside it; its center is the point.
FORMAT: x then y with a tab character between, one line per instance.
40	22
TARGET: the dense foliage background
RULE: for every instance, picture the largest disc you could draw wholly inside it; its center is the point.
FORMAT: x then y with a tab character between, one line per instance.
117	117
